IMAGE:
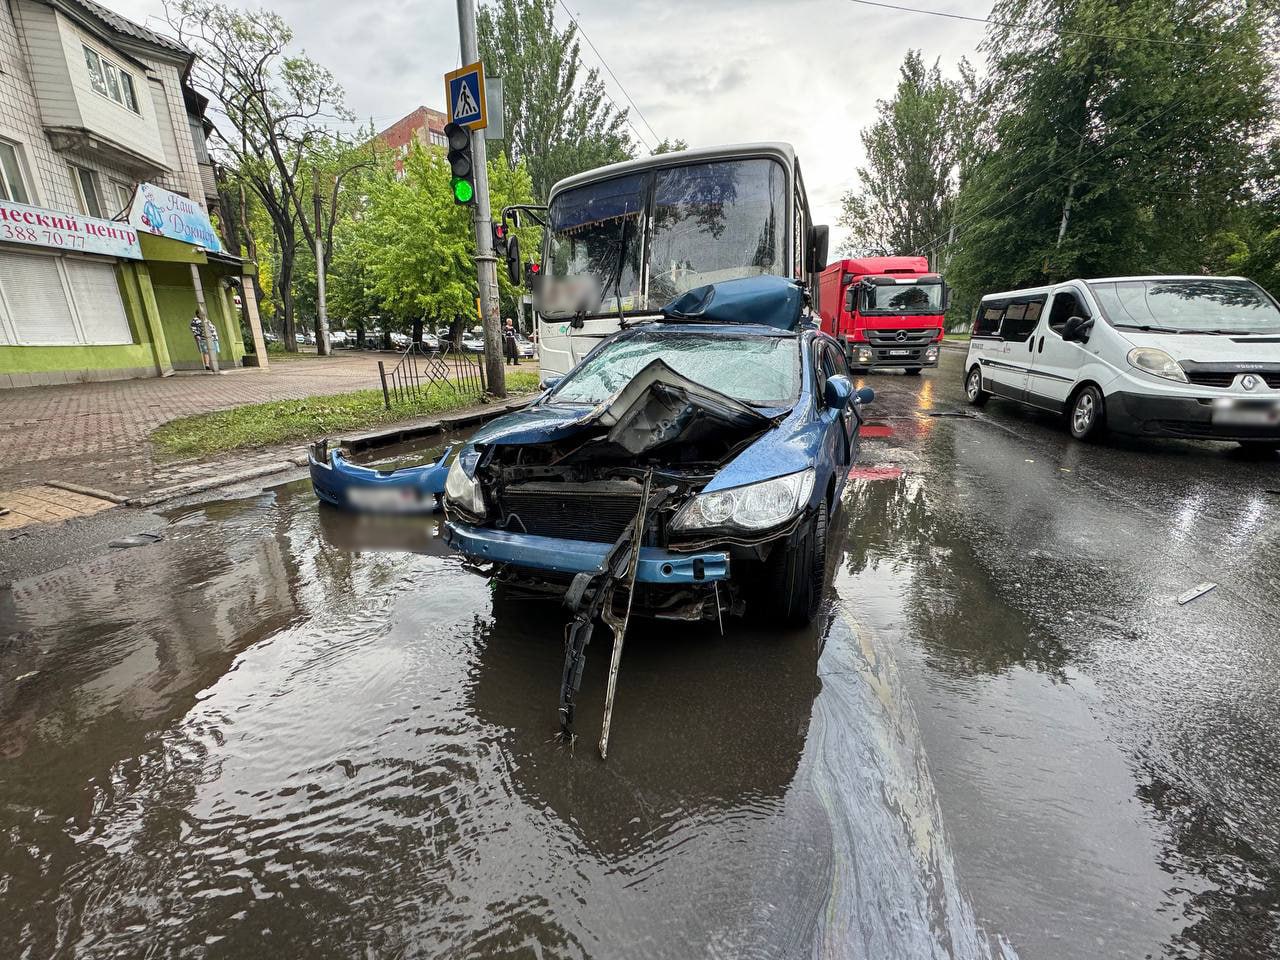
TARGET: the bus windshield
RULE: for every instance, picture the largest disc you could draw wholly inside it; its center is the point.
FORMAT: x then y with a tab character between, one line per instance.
705	222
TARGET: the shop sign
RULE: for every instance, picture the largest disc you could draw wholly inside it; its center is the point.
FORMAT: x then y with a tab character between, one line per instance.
69	232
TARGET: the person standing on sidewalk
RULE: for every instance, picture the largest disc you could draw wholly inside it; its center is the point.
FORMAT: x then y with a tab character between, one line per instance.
202	346
509	343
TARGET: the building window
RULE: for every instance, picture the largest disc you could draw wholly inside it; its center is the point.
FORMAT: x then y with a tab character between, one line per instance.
110	81
87	191
439	139
53	301
12	184
124	196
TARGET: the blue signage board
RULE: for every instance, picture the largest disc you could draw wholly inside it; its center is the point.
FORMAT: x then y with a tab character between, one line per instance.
464	96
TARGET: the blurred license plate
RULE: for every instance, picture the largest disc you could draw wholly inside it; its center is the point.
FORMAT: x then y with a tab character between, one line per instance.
899	353
385	498
1259	413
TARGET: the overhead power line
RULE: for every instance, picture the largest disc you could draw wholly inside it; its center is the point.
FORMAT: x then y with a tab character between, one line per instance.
1027	26
609	70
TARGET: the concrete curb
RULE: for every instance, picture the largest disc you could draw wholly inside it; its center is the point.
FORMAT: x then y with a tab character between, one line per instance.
359	442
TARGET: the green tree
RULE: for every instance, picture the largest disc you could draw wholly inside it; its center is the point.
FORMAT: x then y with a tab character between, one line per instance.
670	146
558	121
1106	155
416	247
907	188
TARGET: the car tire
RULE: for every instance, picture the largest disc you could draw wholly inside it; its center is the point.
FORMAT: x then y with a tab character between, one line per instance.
795	575
1087	415
973	387
912	371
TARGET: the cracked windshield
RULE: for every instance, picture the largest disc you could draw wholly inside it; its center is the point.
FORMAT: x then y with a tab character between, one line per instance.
708	222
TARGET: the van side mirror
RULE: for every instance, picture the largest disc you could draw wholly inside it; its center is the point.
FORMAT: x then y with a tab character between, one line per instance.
864	396
837	393
1076	330
514	273
819	239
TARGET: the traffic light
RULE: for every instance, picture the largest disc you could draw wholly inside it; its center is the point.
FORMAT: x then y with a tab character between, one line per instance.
499	239
460	163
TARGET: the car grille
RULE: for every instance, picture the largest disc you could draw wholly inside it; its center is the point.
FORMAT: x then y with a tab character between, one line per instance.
596	512
889	338
1225	378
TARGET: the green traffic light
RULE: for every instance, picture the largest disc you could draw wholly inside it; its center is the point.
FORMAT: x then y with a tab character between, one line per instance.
463	191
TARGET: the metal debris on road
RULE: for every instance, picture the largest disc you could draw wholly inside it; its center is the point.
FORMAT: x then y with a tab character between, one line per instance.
136	540
1197	591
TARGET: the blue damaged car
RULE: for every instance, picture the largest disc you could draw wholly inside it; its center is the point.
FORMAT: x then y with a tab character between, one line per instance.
717	440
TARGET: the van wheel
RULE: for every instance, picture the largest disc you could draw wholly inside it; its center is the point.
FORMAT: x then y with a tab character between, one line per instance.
1088	414
973	388
912	371
795	573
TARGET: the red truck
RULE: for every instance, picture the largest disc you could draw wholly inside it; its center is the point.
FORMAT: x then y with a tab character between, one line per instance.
887	311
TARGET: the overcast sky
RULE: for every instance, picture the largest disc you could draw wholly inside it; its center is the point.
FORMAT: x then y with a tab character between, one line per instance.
717	71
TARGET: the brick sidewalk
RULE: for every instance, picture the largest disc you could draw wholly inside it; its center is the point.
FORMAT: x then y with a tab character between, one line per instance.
95	434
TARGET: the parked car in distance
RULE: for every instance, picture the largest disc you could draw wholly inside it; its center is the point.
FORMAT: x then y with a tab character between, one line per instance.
747	421
1173	356
337	338
524	346
400	341
472	344
269	337
430	341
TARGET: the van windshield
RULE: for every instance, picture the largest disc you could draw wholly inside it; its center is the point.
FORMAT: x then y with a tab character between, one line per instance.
1209	305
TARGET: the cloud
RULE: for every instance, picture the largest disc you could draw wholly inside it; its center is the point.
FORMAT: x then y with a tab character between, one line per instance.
718	71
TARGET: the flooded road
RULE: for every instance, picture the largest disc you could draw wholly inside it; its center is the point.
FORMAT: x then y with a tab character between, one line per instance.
277	732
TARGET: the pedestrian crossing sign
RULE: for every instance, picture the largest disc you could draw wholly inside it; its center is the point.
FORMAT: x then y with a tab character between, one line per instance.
464	96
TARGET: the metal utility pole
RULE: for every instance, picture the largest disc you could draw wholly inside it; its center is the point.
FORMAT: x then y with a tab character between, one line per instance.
486	262
322	312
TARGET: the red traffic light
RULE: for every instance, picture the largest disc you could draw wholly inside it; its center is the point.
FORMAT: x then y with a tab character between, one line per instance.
534	268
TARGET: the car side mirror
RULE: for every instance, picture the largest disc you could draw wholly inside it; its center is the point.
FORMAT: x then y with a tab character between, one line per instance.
550	383
1076	330
864	396
514	273
837	393
819	240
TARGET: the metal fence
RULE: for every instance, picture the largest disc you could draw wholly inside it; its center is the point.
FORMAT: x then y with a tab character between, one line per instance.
419	370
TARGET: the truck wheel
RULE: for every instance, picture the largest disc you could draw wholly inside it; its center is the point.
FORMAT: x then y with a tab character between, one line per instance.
1087	417
795	574
973	388
912	371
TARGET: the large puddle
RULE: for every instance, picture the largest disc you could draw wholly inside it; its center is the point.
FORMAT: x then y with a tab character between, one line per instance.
281	731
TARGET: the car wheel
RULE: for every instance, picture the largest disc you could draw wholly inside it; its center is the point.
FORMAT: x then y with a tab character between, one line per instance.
912	371
795	574
973	388
1088	415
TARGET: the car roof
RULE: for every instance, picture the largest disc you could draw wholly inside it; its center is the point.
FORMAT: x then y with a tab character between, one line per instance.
667	328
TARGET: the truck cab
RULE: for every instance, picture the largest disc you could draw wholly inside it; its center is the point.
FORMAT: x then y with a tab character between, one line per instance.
887	312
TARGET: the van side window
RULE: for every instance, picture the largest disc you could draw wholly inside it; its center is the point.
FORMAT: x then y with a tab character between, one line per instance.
1016	327
1065	306
988	321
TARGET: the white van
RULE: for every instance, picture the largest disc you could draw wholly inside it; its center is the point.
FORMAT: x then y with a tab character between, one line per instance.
1170	356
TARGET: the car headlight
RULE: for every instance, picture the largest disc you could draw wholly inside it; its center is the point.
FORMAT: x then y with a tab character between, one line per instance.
464	490
753	507
1157	363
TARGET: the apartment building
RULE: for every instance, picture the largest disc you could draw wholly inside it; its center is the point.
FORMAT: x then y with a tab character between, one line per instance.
94	111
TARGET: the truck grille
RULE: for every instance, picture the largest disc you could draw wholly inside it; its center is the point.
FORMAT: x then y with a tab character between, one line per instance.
910	338
598	512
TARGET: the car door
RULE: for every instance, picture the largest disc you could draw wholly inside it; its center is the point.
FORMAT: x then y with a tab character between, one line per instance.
840	437
1056	367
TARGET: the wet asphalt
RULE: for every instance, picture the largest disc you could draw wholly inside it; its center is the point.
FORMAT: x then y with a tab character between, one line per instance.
282	731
